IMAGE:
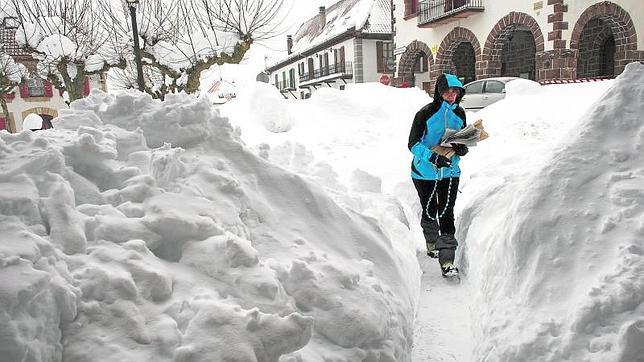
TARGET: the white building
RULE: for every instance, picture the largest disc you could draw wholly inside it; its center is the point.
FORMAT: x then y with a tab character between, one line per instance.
348	42
544	40
35	95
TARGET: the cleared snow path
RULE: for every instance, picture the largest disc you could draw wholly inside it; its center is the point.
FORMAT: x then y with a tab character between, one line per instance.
442	330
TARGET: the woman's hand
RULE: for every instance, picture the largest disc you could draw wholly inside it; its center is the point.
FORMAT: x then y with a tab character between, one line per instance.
460	149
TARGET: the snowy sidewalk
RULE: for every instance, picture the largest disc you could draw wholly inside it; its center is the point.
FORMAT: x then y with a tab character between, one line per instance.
442	334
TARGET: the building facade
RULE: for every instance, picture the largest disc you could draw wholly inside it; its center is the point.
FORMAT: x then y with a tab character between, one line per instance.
348	42
34	95
542	40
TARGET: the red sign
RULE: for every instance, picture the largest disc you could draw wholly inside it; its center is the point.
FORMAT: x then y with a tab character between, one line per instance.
384	79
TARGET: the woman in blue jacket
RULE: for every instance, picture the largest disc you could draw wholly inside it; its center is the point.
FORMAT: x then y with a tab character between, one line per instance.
435	176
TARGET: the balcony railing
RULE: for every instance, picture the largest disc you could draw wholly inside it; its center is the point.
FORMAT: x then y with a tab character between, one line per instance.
434	12
285	85
344	70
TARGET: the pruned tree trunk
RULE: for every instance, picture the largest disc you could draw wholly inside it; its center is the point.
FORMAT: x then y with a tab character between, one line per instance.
73	86
11	124
194	73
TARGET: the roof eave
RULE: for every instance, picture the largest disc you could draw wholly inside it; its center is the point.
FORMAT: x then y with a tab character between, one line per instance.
346	35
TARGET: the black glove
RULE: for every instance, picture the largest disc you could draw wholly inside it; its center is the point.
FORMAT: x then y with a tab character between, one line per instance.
440	160
460	149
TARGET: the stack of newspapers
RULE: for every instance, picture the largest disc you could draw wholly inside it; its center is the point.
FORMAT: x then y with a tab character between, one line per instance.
468	136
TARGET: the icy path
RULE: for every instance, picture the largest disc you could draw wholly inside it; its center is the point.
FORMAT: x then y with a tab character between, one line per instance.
442	330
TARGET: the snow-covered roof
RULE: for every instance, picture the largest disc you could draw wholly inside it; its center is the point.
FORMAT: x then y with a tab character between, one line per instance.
365	16
370	16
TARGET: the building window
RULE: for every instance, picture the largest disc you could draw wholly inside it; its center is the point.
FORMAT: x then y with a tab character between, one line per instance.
421	64
277	81
36	87
338	59
325	62
291	74
411	7
385	57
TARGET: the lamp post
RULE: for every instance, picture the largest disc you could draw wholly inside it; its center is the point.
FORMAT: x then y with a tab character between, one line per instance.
137	50
393	41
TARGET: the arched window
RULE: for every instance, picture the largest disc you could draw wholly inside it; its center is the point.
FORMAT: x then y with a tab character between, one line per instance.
421	64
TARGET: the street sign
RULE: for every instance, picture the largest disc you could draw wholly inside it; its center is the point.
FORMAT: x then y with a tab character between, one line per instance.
385	79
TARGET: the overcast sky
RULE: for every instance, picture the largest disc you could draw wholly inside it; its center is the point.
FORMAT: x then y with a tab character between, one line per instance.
297	12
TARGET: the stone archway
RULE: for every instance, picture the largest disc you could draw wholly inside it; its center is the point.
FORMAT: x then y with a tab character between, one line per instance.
40	111
597	27
458	53
518	33
47	115
408	60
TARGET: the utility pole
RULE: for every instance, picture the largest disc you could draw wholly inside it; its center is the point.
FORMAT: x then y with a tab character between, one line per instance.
393	42
137	50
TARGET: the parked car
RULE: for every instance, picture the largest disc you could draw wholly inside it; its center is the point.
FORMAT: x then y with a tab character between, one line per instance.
482	93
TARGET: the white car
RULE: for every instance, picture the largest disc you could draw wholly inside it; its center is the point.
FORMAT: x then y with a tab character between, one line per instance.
482	93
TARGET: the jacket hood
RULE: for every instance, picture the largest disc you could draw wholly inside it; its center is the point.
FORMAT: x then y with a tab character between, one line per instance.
445	81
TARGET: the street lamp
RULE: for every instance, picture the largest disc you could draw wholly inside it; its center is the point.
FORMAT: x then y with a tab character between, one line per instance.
137	50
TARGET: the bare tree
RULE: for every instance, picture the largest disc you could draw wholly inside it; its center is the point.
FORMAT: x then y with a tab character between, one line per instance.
176	51
69	39
11	75
179	38
252	20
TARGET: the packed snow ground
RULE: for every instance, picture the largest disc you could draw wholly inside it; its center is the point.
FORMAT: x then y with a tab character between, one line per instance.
140	230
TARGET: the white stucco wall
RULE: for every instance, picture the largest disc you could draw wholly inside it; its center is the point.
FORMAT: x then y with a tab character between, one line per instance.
370	61
18	105
348	55
482	24
370	69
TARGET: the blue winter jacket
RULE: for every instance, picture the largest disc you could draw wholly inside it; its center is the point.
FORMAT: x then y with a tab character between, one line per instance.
429	127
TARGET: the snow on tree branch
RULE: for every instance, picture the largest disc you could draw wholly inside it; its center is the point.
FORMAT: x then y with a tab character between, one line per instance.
181	38
11	74
69	39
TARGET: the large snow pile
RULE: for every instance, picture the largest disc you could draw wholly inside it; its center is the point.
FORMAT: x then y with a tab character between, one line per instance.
549	216
554	227
333	134
138	230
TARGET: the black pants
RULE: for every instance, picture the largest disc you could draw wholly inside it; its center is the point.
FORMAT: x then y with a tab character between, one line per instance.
439	231
437	203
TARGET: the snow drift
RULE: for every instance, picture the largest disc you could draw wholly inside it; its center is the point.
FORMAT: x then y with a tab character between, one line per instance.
560	268
145	230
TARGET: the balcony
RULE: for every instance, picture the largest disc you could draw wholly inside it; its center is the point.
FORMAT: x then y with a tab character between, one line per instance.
328	73
286	85
432	13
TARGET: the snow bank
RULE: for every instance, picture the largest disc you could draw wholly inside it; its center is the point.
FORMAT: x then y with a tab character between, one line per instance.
556	248
334	133
140	230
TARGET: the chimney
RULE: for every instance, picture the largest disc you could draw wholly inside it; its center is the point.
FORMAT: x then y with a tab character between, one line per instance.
289	44
322	16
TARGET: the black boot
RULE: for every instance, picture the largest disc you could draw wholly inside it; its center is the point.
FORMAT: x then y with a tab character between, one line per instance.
449	270
432	251
446	244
